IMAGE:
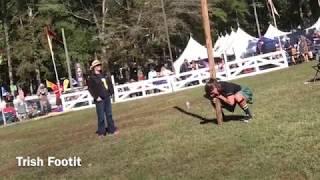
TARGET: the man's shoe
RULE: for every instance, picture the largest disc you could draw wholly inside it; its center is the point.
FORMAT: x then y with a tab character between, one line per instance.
116	132
247	119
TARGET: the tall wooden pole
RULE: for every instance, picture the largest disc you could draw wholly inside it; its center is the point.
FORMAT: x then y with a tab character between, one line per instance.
256	17
167	33
206	26
53	60
67	58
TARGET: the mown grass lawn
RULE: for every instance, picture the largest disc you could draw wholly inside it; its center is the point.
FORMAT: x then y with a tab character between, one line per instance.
162	139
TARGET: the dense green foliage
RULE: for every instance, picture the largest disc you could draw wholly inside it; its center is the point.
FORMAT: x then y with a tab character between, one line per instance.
124	32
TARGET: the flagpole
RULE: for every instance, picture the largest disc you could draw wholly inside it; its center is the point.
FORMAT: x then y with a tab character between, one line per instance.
275	22
167	34
53	60
256	17
67	58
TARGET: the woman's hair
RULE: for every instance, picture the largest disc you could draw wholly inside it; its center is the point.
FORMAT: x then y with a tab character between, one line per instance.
211	84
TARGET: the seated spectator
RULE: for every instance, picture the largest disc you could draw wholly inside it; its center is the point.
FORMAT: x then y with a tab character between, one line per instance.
165	72
140	75
194	65
20	105
291	51
152	73
221	66
185	66
260	44
303	48
44	102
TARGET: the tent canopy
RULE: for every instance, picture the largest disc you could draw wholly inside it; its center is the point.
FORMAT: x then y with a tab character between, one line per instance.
193	51
237	43
244	43
226	42
273	32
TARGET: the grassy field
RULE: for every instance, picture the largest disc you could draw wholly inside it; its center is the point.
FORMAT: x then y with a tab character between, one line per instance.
161	139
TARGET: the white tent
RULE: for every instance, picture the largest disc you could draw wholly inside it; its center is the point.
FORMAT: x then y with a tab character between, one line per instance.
273	32
237	43
243	43
193	51
315	26
227	41
218	43
228	44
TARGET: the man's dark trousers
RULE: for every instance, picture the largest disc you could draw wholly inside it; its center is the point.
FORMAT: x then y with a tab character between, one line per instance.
104	111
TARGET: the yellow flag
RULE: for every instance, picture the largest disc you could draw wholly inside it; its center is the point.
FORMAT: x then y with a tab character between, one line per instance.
49	84
65	84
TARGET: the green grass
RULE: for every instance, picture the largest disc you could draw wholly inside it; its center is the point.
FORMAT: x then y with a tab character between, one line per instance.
158	141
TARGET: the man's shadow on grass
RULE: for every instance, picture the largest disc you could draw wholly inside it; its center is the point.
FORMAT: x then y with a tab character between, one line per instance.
227	118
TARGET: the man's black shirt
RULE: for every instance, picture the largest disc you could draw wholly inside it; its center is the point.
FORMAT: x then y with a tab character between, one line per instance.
228	89
100	86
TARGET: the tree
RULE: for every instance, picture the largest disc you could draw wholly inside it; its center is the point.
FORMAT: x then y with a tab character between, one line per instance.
5	11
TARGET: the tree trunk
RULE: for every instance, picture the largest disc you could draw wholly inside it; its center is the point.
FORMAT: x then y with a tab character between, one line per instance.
34	56
300	10
8	46
102	38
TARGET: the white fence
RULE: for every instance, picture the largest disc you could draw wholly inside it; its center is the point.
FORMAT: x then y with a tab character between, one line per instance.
232	70
256	65
77	100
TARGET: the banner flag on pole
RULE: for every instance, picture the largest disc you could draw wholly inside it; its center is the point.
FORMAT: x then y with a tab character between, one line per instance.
53	35
49	40
48	32
273	8
49	84
4	92
65	84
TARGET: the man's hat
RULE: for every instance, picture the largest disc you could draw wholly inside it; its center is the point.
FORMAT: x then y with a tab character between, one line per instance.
94	64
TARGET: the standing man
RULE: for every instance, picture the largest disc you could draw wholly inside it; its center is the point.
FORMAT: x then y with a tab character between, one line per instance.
101	89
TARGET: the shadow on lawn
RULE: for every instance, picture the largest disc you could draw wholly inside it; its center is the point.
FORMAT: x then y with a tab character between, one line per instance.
204	120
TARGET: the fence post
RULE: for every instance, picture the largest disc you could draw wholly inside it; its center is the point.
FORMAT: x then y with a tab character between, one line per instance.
114	85
170	80
200	76
256	64
90	99
285	59
2	106
63	102
143	88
